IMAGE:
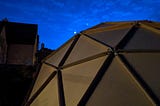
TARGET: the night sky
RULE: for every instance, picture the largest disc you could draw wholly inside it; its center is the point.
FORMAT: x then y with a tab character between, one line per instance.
59	20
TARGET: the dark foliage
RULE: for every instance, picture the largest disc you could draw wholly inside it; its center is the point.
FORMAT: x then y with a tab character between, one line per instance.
15	81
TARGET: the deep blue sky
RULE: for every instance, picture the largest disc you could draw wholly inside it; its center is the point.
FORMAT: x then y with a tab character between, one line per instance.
58	19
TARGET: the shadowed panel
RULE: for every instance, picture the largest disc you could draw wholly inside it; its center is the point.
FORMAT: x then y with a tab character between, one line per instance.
148	67
110	37
117	88
144	39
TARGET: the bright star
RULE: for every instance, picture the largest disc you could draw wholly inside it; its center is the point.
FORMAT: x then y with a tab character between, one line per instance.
87	24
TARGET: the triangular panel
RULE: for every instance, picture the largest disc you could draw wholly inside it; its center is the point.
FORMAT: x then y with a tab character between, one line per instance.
44	73
58	55
117	88
144	39
49	95
85	47
110	37
147	66
76	79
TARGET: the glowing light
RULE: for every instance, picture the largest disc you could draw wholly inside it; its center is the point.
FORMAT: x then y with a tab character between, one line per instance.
87	24
74	32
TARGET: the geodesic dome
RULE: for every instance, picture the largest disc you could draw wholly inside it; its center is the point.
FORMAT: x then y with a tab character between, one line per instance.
111	64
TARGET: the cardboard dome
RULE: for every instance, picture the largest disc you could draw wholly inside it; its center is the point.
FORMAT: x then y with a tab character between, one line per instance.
111	64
